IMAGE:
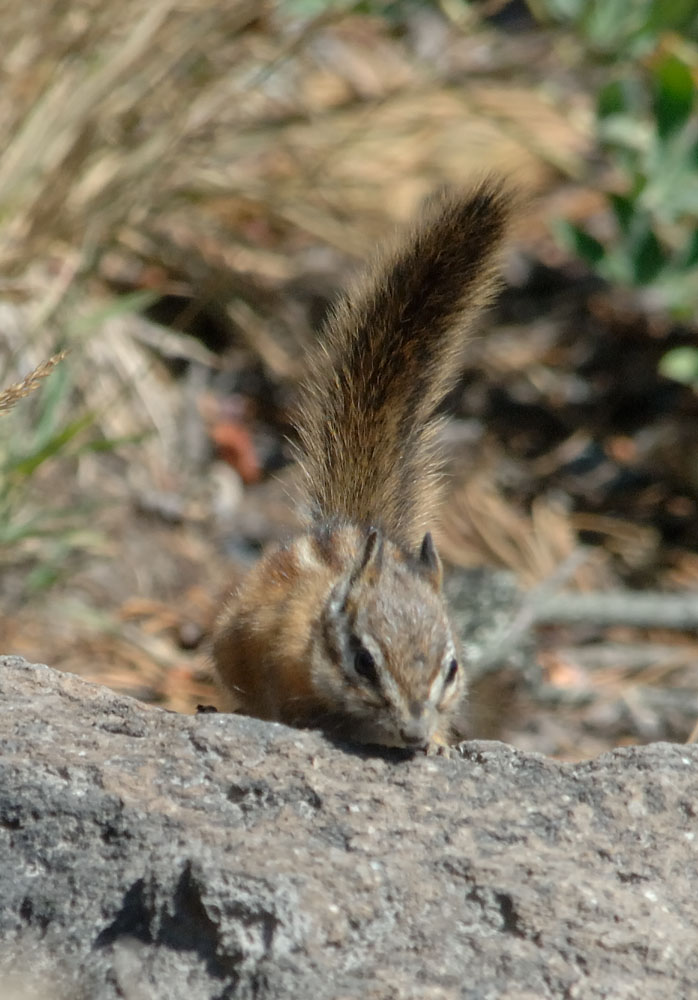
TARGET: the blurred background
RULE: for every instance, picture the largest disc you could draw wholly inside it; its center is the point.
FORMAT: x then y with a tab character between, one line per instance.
184	189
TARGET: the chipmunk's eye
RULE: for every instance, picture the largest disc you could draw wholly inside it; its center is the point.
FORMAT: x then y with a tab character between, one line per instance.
365	666
451	673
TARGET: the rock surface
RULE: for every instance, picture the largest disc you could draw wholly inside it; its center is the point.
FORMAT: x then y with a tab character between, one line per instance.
147	855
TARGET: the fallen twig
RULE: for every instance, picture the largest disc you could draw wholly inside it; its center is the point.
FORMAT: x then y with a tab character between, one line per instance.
646	609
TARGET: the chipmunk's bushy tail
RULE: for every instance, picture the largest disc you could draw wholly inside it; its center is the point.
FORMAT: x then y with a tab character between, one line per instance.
388	355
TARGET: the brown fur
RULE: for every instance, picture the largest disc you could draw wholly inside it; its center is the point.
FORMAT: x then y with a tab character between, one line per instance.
346	627
388	356
262	636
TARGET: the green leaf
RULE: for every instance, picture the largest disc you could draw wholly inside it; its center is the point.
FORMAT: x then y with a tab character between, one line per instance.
675	291
624	211
681	364
43	576
122	305
647	256
610	24
629	133
53	392
670	14
566	9
112	444
673	96
639	183
582	243
689	255
12	532
28	464
613	99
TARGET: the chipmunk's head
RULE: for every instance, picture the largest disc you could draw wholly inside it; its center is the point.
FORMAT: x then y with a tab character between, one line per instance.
397	678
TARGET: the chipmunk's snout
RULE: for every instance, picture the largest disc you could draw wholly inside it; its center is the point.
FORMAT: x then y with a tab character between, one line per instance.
416	733
414	741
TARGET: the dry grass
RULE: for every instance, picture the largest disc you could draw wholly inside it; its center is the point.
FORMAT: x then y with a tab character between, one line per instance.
219	140
10	396
480	527
111	122
138	136
97	110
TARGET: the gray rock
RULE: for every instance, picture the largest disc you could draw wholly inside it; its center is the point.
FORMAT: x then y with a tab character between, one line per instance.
485	604
148	855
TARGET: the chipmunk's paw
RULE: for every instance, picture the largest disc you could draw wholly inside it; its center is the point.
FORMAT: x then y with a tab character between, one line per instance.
440	748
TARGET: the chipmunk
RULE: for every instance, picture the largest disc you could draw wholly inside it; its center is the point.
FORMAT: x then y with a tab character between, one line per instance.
345	627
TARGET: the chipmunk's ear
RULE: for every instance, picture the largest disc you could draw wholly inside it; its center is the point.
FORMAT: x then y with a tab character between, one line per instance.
371	555
429	561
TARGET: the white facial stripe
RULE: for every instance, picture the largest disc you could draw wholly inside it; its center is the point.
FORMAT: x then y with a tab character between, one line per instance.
305	553
336	603
437	688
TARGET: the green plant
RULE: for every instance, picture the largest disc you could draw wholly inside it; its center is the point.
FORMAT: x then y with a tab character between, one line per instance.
649	131
50	429
647	126
31	436
613	28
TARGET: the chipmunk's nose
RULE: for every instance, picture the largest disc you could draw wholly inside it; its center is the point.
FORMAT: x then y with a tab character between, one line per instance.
415	739
415	733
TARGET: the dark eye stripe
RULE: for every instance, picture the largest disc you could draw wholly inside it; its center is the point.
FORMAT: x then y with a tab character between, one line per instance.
365	666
